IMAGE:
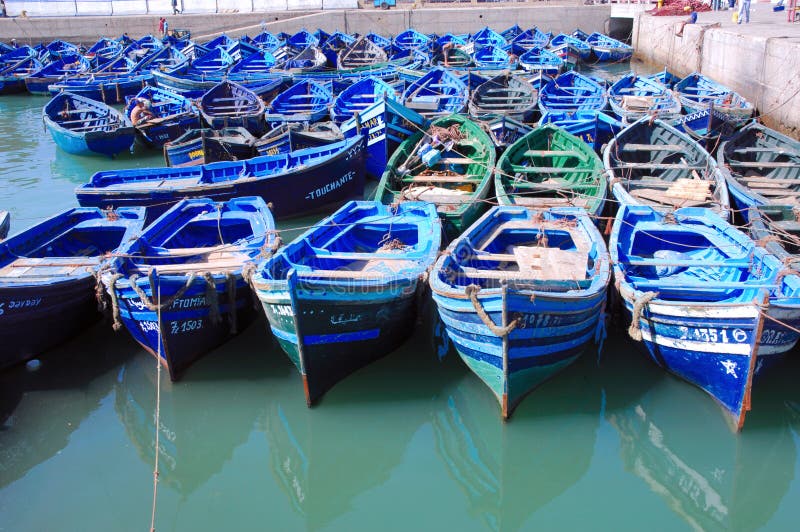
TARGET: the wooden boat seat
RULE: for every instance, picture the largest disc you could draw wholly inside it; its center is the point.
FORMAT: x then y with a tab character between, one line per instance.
759	149
653	147
765	164
214	261
535	263
550	170
442	179
554	153
662	166
48	267
744	262
550	186
766	182
541	202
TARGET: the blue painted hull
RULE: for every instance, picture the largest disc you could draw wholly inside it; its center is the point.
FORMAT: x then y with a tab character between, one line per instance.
5	223
156	135
103	143
554	318
312	187
62	310
187	326
110	91
12	85
593	128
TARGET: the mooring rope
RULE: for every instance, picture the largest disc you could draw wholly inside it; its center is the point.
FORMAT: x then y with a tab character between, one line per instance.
635	330
211	299
472	292
231	286
158	414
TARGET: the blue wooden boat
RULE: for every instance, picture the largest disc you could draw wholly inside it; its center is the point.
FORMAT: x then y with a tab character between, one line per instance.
322	36
503	130
531	38
82	126
59	49
652	163
505	94
69	65
305	101
493	58
449	38
509	34
572	92
195	87
5	223
294	136
385	124
358	96
605	48
14	70
173	115
202	146
267	41
362	53
437	93
47	277
709	127
344	293
120	66
309	59
522	295
216	61
302	39
576	47
229	104
181	288
103	51
220	42
334	45
592	127
411	39
106	88
580	34
633	96
763	169
487	37
698	92
666	78
166	59
697	292
536	59
379	40
300	182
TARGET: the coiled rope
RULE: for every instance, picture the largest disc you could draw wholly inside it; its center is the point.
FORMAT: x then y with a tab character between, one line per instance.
635	330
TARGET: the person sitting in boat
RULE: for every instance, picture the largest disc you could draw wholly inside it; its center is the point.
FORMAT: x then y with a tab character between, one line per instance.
141	112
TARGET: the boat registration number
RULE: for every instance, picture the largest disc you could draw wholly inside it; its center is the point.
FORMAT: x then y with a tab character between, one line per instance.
179	327
713	335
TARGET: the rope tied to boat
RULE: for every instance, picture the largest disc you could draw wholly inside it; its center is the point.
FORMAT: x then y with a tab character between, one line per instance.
146	301
230	281
635	330
442	134
472	292
211	298
116	323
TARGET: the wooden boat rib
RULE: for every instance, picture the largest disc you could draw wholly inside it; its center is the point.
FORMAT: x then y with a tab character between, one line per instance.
506	95
521	294
307	289
197	248
652	163
549	167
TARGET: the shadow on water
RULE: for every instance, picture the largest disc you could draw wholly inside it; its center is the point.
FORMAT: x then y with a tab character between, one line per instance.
509	470
41	409
192	411
324	457
676	439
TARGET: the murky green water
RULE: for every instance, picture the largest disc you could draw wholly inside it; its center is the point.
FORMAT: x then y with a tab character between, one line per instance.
408	443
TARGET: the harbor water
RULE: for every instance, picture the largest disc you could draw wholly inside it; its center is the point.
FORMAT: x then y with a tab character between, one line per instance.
412	442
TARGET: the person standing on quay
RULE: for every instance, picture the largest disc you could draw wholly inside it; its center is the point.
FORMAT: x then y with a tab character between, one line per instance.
744	11
161	23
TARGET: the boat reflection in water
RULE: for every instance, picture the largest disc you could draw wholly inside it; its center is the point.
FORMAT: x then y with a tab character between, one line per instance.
202	421
685	452
508	471
325	458
39	410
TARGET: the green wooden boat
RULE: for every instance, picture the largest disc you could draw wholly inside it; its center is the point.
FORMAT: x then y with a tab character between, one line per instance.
549	167
450	165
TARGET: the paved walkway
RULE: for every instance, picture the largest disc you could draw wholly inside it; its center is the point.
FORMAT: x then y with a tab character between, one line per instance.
763	22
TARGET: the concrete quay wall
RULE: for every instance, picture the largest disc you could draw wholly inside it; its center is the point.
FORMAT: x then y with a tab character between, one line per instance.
760	62
561	17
